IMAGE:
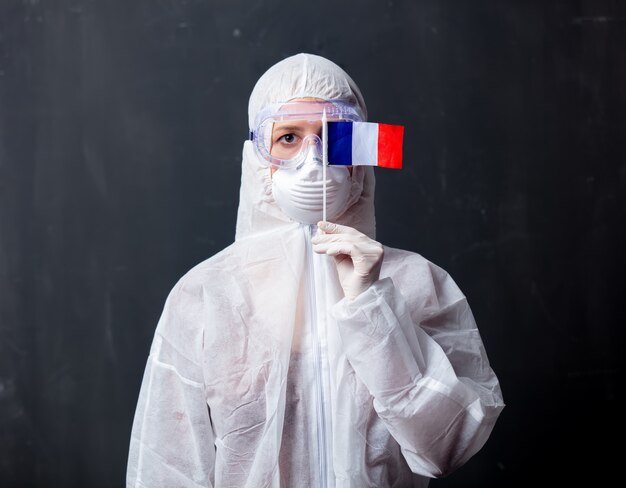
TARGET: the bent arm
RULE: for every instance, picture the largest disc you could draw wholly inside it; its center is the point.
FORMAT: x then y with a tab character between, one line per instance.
440	413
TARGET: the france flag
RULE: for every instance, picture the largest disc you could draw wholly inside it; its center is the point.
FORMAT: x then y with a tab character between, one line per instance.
365	144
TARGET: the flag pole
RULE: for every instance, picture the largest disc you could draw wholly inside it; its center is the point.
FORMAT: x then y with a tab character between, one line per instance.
324	161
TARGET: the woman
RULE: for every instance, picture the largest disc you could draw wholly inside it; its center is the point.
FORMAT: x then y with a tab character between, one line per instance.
306	354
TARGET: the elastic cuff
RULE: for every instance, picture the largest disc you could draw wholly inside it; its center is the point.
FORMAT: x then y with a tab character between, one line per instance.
347	308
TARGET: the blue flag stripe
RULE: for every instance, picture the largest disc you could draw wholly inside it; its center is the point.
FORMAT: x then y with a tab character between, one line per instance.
340	143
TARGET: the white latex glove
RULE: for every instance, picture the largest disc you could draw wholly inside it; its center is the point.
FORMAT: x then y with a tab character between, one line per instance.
357	257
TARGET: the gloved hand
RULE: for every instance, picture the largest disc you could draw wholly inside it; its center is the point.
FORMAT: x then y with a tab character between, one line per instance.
357	257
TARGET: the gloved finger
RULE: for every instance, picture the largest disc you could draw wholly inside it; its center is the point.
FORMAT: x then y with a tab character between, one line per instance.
338	249
334	248
319	238
331	228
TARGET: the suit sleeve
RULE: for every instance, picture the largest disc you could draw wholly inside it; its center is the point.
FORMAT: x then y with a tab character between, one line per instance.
425	366
172	442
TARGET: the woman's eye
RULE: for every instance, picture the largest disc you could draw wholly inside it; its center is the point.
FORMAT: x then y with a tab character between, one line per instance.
287	138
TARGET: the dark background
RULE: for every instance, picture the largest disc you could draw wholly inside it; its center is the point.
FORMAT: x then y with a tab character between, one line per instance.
121	127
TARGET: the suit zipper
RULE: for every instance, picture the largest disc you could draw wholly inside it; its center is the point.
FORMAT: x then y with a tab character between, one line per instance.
317	364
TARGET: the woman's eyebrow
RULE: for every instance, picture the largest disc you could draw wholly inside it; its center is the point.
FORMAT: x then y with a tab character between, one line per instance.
293	128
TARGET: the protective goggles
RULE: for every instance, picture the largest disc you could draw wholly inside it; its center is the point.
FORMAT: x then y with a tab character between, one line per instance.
284	132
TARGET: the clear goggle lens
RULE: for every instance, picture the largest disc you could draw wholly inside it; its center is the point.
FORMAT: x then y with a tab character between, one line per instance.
284	133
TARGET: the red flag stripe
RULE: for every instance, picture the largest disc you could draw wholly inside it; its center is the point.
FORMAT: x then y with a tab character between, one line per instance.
390	145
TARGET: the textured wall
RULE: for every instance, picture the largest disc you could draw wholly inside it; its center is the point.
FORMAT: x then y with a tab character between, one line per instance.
121	126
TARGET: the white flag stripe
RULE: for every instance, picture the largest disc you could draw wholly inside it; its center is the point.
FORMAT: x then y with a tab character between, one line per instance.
365	143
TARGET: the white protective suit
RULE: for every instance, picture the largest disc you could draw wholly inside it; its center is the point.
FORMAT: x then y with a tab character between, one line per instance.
261	374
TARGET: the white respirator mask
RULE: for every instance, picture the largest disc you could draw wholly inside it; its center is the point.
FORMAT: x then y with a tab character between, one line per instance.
299	190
